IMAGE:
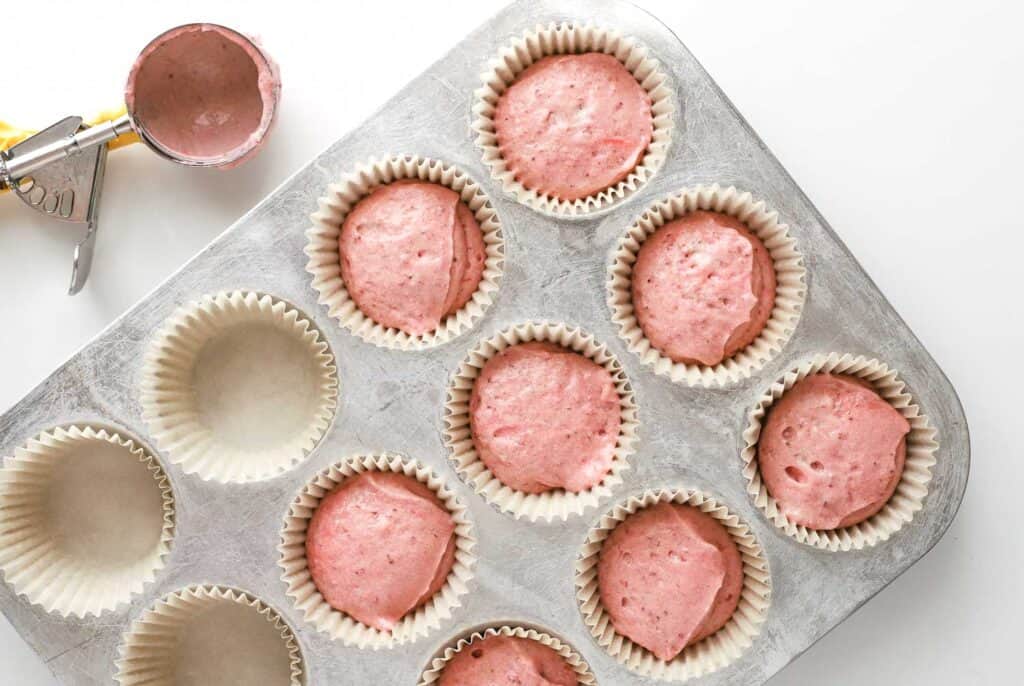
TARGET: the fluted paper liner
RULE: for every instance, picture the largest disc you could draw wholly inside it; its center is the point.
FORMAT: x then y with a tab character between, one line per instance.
338	625
707	655
154	650
86	520
584	677
325	260
917	471
557	503
561	39
789	291
238	387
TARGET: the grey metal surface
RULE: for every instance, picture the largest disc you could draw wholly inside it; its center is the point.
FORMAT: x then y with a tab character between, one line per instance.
390	400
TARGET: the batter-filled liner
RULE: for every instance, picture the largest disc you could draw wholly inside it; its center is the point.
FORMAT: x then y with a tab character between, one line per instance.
554	504
917	470
86	520
701	658
325	261
238	387
790	287
564	39
338	625
432	675
205	635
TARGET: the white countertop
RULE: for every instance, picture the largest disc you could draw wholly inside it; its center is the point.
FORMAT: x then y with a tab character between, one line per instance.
903	122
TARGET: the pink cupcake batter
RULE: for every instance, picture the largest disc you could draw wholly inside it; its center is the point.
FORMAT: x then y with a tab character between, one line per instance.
380	545
507	661
469	256
572	125
703	288
411	255
204	93
832	451
545	417
669	576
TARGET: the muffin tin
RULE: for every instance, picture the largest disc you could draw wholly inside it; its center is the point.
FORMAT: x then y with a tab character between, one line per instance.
522	573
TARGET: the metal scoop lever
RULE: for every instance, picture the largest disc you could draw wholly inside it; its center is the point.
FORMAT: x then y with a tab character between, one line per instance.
17	164
59	172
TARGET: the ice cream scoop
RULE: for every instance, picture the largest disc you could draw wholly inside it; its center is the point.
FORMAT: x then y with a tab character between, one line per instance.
201	95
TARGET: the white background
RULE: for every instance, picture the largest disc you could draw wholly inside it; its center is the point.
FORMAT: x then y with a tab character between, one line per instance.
903	121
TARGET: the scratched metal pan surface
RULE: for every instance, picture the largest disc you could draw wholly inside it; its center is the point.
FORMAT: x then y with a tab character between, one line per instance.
393	400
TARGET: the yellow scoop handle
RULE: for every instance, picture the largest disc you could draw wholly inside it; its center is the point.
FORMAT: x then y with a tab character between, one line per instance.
12	135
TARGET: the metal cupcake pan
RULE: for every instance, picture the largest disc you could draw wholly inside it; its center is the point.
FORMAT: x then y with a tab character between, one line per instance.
228	534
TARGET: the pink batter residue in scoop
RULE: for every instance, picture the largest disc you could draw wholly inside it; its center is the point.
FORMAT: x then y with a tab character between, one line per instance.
507	661
669	576
204	94
703	288
832	451
380	545
573	125
545	417
412	253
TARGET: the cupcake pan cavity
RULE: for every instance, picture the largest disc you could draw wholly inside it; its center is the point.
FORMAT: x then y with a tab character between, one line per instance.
432	674
789	291
558	503
86	520
325	262
706	656
238	387
228	532
209	635
917	471
336	624
567	38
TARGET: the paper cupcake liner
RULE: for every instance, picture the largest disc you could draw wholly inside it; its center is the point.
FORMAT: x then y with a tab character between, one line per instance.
325	261
561	39
550	505
715	651
44	556
338	625
789	291
189	368
151	651
584	677
917	471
